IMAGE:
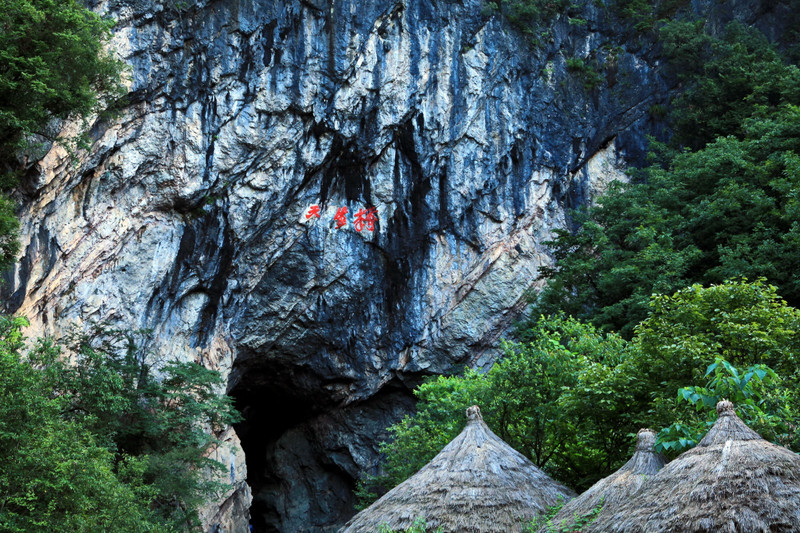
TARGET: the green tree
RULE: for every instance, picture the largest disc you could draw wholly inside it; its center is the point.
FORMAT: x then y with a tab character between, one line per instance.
727	209
759	394
744	324
52	66
728	80
730	209
53	474
9	233
164	418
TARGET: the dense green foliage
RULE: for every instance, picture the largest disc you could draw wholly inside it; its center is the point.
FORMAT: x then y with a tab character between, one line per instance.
572	399
52	66
759	394
9	233
736	340
54	476
100	443
729	208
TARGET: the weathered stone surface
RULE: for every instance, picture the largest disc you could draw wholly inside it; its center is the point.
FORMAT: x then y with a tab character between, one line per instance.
188	214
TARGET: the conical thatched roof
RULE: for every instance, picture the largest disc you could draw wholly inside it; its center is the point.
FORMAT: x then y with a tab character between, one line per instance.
477	483
619	486
732	481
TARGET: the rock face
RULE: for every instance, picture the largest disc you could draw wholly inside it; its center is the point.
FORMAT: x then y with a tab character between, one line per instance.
189	215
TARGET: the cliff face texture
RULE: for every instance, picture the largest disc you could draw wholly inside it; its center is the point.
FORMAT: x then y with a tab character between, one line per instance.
192	213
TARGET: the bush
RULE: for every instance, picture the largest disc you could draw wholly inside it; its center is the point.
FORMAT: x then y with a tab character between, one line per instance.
102	439
54	476
52	66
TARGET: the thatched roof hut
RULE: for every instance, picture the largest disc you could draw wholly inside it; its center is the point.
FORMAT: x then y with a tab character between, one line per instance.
732	481
477	483
618	487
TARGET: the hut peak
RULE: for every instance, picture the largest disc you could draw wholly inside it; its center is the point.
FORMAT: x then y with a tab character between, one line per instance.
727	427
474	414
725	408
618	487
645	440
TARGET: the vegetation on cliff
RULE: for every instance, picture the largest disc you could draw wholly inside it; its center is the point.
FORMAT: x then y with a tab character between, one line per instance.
720	201
52	66
100	442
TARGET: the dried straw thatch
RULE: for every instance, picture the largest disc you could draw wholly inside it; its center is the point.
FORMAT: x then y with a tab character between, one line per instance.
619	486
732	481
477	483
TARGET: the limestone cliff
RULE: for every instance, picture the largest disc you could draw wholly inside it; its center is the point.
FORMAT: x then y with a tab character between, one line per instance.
192	213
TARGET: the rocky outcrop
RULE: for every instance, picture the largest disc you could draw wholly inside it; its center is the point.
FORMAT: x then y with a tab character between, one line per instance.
189	215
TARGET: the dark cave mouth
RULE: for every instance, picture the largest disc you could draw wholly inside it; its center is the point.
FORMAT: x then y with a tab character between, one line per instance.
268	413
275	403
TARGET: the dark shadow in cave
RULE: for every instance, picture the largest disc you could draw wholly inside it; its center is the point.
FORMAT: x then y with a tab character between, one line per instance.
270	406
294	476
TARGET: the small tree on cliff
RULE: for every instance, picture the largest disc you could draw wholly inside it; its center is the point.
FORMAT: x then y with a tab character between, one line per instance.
52	66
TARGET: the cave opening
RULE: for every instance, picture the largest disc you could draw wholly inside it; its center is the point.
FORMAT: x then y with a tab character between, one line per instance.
270	406
297	482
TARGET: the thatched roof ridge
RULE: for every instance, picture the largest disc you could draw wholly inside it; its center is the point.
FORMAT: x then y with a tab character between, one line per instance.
727	427
733	481
617	487
477	483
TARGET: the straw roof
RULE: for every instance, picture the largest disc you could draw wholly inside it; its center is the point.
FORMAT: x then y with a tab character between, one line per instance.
477	483
732	481
619	486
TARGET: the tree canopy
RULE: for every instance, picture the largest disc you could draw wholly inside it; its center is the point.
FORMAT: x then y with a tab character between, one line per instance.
53	66
104	442
54	475
725	205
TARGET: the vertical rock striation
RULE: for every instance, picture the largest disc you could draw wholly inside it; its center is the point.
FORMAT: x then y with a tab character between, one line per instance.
188	213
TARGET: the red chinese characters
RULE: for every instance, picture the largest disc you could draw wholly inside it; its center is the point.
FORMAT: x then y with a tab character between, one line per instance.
341	217
313	211
366	217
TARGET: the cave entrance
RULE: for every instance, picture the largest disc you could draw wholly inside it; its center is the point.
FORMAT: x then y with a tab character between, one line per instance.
299	483
268	413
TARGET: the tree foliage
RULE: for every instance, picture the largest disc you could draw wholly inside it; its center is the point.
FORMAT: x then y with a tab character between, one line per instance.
759	394
130	434
725	205
54	476
572	399
52	66
704	340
